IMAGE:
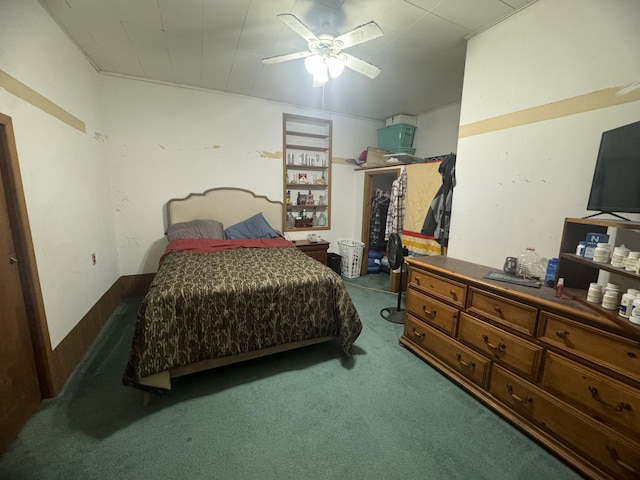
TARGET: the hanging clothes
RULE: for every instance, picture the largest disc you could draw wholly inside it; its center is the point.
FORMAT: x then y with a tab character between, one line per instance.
438	217
395	216
377	220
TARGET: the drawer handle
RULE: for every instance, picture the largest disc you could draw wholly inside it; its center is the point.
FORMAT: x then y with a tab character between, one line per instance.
453	294
500	347
498	309
626	466
419	335
517	398
562	333
431	313
417	280
468	365
618	408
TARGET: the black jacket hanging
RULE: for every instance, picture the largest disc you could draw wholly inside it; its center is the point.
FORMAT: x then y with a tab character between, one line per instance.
438	219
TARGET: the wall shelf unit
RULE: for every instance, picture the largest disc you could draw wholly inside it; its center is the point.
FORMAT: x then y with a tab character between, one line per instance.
578	272
306	159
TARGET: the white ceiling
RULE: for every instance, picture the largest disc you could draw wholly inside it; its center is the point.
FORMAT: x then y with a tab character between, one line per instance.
219	45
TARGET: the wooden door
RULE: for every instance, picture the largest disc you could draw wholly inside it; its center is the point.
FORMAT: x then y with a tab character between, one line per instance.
19	389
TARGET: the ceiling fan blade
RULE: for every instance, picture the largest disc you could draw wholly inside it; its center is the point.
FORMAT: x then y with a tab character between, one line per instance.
284	58
360	66
361	34
297	26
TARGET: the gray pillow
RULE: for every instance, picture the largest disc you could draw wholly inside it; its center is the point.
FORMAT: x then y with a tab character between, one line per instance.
196	229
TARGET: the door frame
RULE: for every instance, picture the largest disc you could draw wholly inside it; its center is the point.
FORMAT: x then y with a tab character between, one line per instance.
27	268
366	209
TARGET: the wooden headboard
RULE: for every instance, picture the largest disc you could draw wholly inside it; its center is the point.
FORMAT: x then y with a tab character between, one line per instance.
227	205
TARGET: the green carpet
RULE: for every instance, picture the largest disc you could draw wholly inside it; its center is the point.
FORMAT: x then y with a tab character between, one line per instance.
305	414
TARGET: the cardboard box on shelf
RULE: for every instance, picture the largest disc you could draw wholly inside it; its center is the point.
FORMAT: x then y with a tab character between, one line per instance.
409	119
375	157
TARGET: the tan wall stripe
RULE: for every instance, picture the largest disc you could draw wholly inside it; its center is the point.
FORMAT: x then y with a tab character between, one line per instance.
20	90
562	108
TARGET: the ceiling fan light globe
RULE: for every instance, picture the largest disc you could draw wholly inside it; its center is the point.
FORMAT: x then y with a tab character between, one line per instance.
336	67
313	64
321	76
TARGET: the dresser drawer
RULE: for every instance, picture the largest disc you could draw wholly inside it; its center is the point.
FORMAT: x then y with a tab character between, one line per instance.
433	312
614	402
602	348
602	445
518	316
515	353
440	287
469	363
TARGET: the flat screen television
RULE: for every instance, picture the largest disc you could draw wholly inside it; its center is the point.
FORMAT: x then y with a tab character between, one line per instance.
616	179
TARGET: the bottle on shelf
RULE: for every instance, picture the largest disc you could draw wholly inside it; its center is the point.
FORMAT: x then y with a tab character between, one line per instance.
594	294
602	253
619	255
611	297
288	197
631	262
635	312
322	220
627	302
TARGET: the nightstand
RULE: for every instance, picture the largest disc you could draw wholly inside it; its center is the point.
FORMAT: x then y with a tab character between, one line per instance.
317	250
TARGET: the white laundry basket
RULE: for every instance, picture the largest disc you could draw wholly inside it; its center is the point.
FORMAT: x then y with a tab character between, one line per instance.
351	252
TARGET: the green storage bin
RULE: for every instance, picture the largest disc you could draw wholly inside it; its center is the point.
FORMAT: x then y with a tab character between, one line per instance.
409	150
396	136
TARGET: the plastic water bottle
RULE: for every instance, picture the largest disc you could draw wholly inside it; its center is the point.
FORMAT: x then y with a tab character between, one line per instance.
529	264
550	275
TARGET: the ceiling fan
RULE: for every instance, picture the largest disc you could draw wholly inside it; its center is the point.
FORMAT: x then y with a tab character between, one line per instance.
324	56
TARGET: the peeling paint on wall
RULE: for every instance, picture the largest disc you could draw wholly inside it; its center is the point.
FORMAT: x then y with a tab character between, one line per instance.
340	160
264	154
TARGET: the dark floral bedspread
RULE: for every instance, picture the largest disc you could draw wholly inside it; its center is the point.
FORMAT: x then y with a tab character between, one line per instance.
203	306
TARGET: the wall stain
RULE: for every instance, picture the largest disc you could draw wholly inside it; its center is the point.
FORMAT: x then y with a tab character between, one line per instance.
100	137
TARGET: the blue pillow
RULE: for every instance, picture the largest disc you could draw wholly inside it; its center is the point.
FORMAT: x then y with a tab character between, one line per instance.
252	227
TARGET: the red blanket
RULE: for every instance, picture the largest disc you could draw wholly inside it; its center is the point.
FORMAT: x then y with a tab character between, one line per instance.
202	245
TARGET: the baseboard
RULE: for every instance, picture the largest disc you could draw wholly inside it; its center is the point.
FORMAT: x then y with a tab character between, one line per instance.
68	354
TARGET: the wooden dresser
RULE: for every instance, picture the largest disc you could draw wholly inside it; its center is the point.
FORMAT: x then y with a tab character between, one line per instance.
564	373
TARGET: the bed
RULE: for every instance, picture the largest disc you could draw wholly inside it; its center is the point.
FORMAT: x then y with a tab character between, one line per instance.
218	301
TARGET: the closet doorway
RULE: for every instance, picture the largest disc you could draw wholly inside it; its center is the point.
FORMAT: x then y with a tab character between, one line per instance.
377	185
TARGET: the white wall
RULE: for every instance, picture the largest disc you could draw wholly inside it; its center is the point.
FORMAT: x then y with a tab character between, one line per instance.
437	132
167	141
516	185
65	172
